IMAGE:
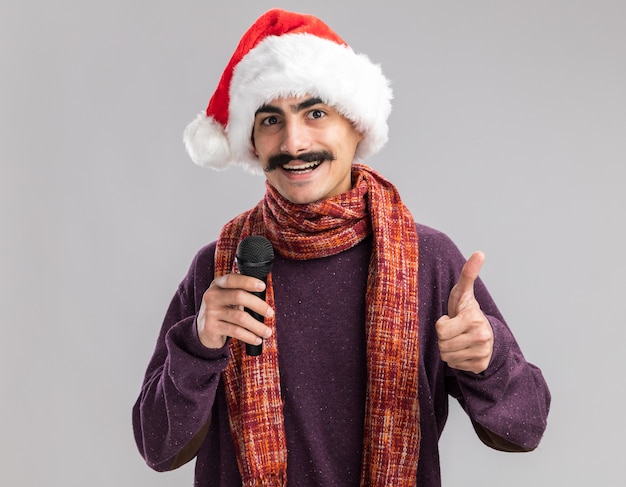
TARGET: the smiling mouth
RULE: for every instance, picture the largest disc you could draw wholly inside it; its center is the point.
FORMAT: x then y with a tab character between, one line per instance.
303	168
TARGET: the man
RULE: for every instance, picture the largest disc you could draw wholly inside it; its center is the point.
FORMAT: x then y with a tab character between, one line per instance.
371	320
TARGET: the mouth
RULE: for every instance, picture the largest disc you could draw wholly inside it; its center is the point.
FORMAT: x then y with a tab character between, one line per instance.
301	164
303	168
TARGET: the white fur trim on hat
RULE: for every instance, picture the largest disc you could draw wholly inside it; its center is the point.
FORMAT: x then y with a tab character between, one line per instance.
206	143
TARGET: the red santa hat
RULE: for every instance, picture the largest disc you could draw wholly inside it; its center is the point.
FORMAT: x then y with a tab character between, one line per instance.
286	54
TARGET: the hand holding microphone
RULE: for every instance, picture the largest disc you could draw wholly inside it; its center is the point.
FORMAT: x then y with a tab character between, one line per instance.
255	256
233	305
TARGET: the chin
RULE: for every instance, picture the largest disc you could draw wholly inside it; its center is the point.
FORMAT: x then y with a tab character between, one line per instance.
301	200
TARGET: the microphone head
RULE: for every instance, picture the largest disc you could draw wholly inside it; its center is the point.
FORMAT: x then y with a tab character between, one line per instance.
255	256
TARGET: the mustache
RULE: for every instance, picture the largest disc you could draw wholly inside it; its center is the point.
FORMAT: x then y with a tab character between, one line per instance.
279	160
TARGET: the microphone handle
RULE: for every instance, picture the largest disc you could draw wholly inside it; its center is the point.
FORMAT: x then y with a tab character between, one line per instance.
255	350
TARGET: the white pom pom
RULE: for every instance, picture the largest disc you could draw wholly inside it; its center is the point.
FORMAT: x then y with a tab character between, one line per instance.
206	143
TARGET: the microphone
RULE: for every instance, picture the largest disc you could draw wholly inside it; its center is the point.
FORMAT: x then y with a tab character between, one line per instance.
254	257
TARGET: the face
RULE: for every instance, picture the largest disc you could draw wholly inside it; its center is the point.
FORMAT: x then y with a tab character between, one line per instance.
305	147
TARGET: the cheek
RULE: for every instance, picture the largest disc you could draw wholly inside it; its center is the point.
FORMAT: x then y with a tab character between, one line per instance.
262	146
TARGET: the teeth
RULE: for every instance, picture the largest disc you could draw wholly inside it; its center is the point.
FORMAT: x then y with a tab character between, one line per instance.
303	167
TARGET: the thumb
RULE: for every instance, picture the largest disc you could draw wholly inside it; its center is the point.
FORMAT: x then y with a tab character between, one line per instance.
463	290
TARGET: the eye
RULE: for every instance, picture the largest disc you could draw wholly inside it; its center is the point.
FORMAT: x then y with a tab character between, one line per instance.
271	120
315	114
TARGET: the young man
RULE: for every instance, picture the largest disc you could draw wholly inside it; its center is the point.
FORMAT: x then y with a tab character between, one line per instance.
371	320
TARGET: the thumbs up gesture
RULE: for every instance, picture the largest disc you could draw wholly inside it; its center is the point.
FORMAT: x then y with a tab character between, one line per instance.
465	335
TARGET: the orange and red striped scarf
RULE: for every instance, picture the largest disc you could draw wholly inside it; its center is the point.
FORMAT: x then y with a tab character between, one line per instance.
392	435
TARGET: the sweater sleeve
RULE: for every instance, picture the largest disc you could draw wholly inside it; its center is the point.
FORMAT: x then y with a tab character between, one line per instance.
173	411
508	403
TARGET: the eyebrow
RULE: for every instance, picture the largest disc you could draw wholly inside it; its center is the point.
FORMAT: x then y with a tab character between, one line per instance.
295	108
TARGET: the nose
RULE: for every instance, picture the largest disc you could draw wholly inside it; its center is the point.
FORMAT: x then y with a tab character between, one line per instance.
296	137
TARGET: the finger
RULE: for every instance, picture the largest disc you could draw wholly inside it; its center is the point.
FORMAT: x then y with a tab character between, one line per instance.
470	272
240	328
239	281
463	343
227	299
447	328
240	324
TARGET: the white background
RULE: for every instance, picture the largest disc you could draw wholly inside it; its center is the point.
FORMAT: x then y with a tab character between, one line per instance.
508	133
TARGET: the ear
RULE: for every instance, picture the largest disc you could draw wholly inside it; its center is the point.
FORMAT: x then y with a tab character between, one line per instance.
253	144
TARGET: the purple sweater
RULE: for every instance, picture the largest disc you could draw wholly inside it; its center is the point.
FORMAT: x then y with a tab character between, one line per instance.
181	412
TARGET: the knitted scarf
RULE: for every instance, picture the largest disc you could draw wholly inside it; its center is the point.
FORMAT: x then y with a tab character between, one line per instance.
252	384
